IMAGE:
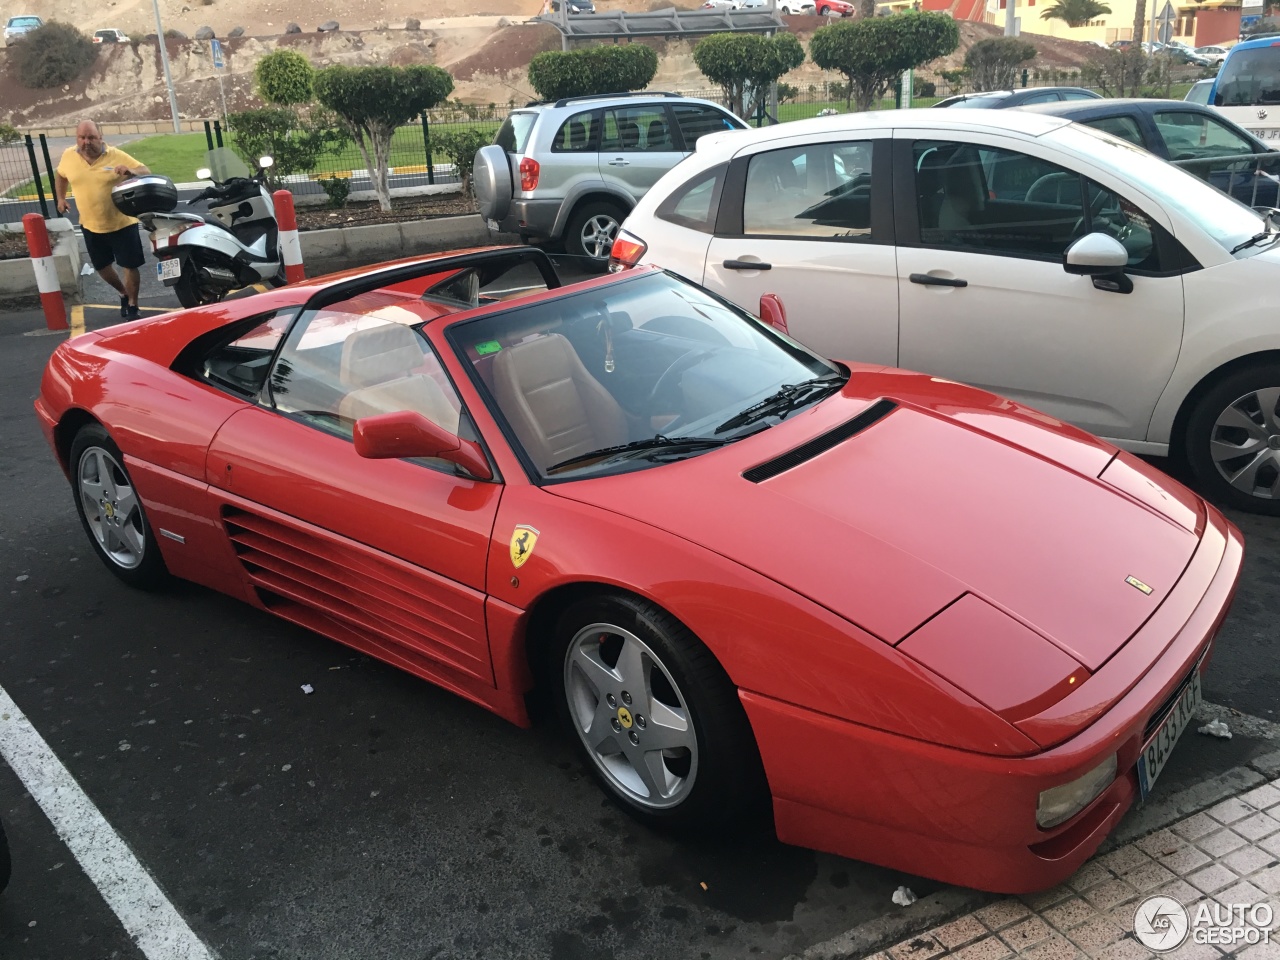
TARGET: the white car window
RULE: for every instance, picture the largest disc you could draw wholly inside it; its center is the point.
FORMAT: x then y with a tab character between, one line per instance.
1228	222
819	190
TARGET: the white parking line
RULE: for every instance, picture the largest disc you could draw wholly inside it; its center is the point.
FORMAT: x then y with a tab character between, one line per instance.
147	915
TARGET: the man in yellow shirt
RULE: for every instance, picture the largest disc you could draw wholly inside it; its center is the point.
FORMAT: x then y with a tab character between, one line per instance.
91	169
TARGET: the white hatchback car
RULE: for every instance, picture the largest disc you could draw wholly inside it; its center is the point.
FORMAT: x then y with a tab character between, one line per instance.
1043	260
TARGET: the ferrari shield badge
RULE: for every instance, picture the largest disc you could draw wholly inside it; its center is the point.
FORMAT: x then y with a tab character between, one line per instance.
523	539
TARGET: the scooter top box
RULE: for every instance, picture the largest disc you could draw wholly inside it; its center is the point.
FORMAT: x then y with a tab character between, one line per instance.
148	194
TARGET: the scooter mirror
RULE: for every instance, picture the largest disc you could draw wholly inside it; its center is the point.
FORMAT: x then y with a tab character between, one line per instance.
203	173
265	162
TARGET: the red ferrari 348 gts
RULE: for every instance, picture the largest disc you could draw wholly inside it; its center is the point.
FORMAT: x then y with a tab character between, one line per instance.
916	623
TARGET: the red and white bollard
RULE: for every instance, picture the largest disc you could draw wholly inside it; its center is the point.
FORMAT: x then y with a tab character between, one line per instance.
55	310
290	248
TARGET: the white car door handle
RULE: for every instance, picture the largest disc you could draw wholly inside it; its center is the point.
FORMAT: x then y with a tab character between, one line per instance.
619	162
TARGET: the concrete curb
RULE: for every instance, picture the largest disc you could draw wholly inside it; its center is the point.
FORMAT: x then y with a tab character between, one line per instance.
18	277
325	251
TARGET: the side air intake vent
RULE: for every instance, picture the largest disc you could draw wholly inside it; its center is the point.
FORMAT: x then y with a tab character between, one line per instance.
821	444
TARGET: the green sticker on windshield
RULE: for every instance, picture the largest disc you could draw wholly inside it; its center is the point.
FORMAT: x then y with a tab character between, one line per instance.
488	347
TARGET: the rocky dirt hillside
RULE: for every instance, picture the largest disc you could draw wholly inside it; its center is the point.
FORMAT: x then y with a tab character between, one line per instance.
487	54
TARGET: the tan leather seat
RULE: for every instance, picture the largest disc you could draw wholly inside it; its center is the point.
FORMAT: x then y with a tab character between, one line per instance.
557	409
385	352
415	392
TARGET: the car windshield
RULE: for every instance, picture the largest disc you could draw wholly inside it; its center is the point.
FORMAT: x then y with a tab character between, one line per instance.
1249	78
1226	220
633	374
25	22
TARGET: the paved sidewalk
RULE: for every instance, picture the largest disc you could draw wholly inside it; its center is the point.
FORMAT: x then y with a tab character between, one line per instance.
1228	854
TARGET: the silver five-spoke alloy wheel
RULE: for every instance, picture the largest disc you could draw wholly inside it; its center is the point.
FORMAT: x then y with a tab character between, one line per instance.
111	507
631	716
1245	443
598	234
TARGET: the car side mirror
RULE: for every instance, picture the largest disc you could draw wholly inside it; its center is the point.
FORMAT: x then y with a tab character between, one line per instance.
773	312
407	433
1102	257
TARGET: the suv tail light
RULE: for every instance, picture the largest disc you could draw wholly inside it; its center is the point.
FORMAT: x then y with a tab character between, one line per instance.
530	169
626	252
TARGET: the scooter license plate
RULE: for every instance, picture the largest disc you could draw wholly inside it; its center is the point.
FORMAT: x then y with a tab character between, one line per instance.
170	269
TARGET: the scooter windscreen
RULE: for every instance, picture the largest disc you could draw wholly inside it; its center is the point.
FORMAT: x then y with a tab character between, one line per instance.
223	165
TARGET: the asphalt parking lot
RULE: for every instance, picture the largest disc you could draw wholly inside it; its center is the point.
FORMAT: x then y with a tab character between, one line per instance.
379	815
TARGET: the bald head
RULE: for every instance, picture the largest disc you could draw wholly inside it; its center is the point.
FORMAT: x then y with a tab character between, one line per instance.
89	139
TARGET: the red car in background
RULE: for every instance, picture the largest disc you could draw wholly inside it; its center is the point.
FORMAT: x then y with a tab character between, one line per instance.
915	623
834	8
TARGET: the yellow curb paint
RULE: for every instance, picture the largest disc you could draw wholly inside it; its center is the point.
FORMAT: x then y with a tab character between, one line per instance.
77	320
412	168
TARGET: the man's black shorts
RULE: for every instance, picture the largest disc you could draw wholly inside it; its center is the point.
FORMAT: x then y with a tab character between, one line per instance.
120	246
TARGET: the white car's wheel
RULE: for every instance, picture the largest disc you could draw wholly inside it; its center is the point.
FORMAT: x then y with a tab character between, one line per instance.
1232	440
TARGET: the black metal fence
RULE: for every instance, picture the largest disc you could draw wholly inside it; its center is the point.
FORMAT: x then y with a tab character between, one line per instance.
1253	179
26	179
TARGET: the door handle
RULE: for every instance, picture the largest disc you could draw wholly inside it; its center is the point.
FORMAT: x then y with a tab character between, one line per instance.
619	162
746	265
928	281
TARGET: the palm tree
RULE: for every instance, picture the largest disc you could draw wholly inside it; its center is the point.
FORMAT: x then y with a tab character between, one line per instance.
1076	13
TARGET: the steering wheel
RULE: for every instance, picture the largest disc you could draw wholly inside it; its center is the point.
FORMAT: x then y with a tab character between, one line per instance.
667	381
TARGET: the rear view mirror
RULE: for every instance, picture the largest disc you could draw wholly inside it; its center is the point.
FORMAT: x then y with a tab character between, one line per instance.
773	312
407	433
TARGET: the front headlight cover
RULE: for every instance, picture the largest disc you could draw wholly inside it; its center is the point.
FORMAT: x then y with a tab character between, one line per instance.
1059	804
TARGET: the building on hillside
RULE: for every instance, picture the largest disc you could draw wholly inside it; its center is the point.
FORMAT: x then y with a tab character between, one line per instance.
1197	24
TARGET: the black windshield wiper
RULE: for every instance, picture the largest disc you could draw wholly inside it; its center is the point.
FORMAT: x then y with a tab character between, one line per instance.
651	443
1256	238
788	397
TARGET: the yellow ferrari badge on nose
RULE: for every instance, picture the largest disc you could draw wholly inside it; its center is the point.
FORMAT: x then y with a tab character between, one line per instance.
523	539
624	718
1138	585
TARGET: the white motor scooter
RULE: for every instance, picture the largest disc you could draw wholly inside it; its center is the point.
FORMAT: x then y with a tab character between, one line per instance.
204	259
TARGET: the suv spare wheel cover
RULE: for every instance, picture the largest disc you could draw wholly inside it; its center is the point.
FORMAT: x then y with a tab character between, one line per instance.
492	182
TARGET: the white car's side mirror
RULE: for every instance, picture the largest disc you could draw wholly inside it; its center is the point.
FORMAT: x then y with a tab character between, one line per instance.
1102	257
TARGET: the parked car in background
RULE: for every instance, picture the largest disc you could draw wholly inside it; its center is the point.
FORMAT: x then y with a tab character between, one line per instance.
575	6
573	169
762	616
1247	88
1041	259
1181	131
797	7
1200	91
1000	99
109	36
834	8
18	27
1214	54
1185	55
720	5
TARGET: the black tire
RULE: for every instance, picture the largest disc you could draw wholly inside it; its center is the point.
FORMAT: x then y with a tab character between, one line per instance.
189	291
279	279
717	781
6	864
1238	399
115	521
591	219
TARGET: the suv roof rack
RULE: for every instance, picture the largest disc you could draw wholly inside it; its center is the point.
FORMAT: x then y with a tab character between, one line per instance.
564	101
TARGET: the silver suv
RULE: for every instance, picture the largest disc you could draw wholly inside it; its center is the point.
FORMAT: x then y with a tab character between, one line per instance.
573	169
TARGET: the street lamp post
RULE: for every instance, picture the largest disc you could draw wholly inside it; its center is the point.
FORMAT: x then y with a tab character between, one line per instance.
164	62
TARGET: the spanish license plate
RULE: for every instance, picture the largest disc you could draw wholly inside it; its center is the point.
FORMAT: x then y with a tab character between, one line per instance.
1269	134
170	269
1159	748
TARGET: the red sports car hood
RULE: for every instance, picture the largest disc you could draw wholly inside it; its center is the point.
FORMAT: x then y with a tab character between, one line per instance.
951	491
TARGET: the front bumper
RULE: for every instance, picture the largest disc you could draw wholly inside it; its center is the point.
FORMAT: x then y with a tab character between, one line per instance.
969	818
